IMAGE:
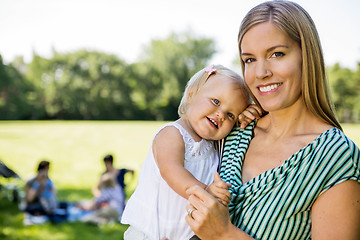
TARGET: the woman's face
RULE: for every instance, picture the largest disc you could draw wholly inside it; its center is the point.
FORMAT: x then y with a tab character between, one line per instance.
272	66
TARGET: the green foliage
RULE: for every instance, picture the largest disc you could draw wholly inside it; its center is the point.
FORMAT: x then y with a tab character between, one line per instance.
82	85
345	87
15	92
89	85
164	70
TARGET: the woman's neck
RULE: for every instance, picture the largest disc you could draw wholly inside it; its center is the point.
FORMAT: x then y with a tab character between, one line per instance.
294	120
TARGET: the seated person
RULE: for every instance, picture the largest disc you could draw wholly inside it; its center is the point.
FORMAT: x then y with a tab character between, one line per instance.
40	194
108	205
119	175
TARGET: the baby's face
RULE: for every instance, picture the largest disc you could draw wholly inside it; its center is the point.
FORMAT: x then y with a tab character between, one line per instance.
214	110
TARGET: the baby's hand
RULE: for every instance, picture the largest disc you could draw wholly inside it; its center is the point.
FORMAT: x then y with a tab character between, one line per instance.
219	189
250	113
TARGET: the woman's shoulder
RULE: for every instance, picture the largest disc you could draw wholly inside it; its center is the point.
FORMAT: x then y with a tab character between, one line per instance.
338	145
339	156
334	134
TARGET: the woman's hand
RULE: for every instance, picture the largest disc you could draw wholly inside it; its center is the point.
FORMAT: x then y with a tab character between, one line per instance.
249	114
209	219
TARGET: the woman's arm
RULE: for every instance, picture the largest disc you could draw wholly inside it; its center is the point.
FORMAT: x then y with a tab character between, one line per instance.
169	151
210	220
336	213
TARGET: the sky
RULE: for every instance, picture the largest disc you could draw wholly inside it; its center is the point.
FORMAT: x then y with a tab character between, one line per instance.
124	27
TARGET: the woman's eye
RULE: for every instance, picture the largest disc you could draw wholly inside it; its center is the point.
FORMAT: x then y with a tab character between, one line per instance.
278	54
231	116
216	101
249	60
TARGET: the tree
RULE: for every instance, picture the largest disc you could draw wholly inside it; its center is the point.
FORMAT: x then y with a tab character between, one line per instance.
163	71
14	93
95	85
345	90
82	85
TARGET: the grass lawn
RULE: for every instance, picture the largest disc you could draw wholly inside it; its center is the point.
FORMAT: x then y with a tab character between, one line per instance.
75	150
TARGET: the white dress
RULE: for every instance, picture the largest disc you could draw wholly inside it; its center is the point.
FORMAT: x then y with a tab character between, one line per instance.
157	210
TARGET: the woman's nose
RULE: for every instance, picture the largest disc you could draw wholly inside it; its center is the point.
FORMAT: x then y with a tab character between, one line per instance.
263	70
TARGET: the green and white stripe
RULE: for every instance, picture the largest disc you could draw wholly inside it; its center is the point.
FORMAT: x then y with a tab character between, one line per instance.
277	203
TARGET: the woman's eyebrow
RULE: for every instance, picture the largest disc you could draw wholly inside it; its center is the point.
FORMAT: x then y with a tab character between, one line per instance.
268	50
277	46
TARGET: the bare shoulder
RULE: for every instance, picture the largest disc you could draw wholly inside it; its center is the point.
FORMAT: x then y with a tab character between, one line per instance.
168	134
318	128
313	132
338	206
168	139
345	191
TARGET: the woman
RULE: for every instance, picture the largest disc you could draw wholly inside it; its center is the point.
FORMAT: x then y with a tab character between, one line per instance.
40	193
294	174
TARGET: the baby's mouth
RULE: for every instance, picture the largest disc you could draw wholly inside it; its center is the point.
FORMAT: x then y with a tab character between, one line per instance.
213	122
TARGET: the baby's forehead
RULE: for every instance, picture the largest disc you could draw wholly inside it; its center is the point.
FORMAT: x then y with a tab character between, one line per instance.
224	77
239	86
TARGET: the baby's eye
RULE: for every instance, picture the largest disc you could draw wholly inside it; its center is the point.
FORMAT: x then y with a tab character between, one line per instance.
231	116
216	101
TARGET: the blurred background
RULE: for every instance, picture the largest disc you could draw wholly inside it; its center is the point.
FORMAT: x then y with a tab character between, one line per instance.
121	60
130	60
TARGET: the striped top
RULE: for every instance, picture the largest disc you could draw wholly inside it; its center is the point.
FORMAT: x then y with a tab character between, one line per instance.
277	203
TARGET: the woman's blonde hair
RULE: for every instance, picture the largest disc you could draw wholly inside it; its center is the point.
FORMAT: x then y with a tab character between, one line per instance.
294	21
200	78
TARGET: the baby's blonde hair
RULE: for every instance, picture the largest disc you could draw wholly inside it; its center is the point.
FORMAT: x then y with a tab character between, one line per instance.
200	78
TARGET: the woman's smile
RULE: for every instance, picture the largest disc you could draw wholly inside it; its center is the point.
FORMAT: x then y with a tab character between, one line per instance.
269	88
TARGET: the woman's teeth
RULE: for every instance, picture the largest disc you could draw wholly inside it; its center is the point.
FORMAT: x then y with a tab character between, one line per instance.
269	87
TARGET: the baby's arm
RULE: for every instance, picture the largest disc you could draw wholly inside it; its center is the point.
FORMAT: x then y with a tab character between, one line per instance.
219	189
169	153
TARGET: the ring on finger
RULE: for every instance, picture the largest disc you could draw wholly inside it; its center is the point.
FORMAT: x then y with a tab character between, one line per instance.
190	211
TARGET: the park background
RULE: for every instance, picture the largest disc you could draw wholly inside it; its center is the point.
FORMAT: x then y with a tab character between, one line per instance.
81	79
